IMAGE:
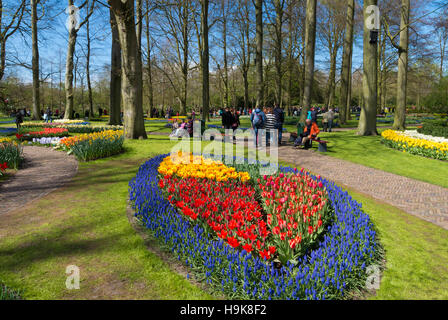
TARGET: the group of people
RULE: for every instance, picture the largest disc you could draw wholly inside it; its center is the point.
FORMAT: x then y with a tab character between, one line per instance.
182	126
268	119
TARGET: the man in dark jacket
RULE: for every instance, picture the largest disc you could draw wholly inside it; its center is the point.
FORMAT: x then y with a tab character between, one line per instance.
279	120
227	119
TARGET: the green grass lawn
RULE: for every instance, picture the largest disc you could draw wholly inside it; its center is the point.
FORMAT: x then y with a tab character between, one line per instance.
370	152
86	224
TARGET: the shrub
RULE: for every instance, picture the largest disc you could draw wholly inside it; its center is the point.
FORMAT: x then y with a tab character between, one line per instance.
438	128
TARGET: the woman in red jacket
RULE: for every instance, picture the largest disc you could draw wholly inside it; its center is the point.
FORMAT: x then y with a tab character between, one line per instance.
310	131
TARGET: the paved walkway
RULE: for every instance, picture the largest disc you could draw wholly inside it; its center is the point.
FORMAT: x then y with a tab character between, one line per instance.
44	171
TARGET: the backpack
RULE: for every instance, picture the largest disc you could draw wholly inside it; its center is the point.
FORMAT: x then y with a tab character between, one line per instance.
257	121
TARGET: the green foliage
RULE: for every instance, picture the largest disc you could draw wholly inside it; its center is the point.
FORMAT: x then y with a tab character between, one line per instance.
438	128
11	153
437	100
7	293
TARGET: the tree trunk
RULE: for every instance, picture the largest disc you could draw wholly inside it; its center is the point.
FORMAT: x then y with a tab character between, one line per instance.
115	75
278	49
310	43
226	64
89	83
367	120
205	61
346	57
69	103
184	95
332	78
259	51
149	66
131	81
35	61
400	112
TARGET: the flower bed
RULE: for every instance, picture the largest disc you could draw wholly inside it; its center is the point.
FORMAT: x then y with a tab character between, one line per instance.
10	152
46	132
93	146
334	265
52	141
400	141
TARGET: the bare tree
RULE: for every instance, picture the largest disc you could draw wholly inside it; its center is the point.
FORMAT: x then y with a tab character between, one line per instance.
7	29
73	34
346	72
310	43
367	119
115	74
35	60
259	50
205	60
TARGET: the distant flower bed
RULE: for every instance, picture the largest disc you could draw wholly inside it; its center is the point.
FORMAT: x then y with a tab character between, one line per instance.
46	132
7	131
55	123
48	140
295	237
10	153
93	146
423	147
75	127
67	121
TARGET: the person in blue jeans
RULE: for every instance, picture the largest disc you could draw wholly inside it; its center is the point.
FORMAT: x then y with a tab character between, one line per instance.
258	120
279	120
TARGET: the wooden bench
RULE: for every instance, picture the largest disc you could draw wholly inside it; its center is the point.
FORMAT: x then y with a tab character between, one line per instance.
322	144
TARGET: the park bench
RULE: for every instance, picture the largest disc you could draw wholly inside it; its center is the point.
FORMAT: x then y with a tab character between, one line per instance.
322	144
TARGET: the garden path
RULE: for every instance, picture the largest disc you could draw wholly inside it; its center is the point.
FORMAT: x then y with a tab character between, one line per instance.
44	170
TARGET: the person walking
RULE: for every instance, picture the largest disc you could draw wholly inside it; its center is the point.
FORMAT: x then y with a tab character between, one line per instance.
19	120
325	122
49	115
258	120
235	122
330	118
227	119
314	115
270	125
279	120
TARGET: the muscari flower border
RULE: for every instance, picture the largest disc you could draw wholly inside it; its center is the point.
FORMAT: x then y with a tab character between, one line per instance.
336	266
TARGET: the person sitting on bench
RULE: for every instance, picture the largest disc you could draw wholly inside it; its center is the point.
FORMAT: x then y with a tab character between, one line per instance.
310	132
